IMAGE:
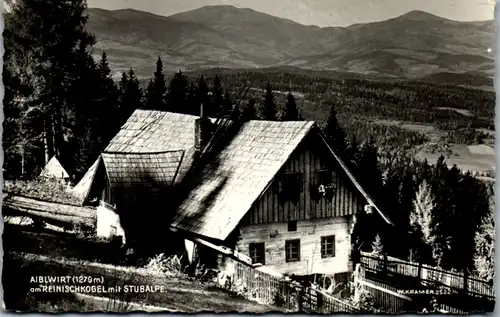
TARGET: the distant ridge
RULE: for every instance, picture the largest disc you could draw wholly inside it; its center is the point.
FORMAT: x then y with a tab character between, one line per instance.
415	44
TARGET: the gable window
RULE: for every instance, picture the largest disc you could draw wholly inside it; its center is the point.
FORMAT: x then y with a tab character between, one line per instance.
290	187
328	247
257	253
292	225
292	250
325	185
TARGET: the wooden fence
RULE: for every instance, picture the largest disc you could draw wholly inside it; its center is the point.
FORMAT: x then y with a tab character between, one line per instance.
428	275
388	299
282	293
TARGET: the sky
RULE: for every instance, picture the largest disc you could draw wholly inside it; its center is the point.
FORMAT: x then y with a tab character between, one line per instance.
321	12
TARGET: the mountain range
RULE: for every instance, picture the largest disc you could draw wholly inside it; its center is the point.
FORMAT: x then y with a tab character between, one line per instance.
414	45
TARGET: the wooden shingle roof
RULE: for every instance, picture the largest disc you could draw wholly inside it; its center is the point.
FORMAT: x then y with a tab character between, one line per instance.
81	190
237	175
149	169
54	169
230	181
154	131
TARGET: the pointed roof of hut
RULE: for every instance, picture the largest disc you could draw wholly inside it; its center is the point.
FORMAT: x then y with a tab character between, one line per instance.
54	169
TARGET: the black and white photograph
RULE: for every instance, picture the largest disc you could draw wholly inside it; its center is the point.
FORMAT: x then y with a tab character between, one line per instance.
249	156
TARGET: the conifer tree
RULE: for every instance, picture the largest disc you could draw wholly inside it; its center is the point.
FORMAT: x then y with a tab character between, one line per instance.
291	111
157	88
202	97
227	104
192	104
45	38
248	112
484	257
107	101
368	166
268	110
131	95
335	134
218	95
178	93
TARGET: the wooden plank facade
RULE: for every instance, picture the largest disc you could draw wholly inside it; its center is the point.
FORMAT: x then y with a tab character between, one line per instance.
312	217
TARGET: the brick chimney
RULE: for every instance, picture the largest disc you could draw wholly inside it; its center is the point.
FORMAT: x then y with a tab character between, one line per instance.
200	133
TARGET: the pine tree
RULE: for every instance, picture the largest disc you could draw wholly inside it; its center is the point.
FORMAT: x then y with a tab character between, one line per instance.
335	134
192	104
368	166
291	112
45	38
227	104
352	153
248	112
268	110
107	102
157	89
484	257
149	100
131	95
218	95
202	97
178	90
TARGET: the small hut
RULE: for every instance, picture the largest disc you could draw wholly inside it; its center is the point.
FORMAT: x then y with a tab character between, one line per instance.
54	170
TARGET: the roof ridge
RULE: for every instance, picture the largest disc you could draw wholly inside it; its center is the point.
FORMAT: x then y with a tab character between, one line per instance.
140	153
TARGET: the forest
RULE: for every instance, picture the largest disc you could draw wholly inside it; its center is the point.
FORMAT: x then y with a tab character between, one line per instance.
60	101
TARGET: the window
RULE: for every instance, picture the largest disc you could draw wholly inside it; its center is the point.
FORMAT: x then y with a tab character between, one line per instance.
328	247
113	231
325	185
290	187
292	225
257	253
324	177
292	250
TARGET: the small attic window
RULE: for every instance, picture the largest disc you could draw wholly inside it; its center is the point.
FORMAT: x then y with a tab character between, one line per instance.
290	187
325	185
292	225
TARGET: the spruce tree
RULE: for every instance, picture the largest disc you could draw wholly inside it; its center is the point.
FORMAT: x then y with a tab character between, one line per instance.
157	89
248	112
218	95
268	110
44	39
202	97
178	90
227	104
368	166
291	111
335	134
108	102
192	105
131	95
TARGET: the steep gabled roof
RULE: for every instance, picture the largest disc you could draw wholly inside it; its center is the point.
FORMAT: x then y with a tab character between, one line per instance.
238	175
82	189
154	131
233	180
54	169
126	170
